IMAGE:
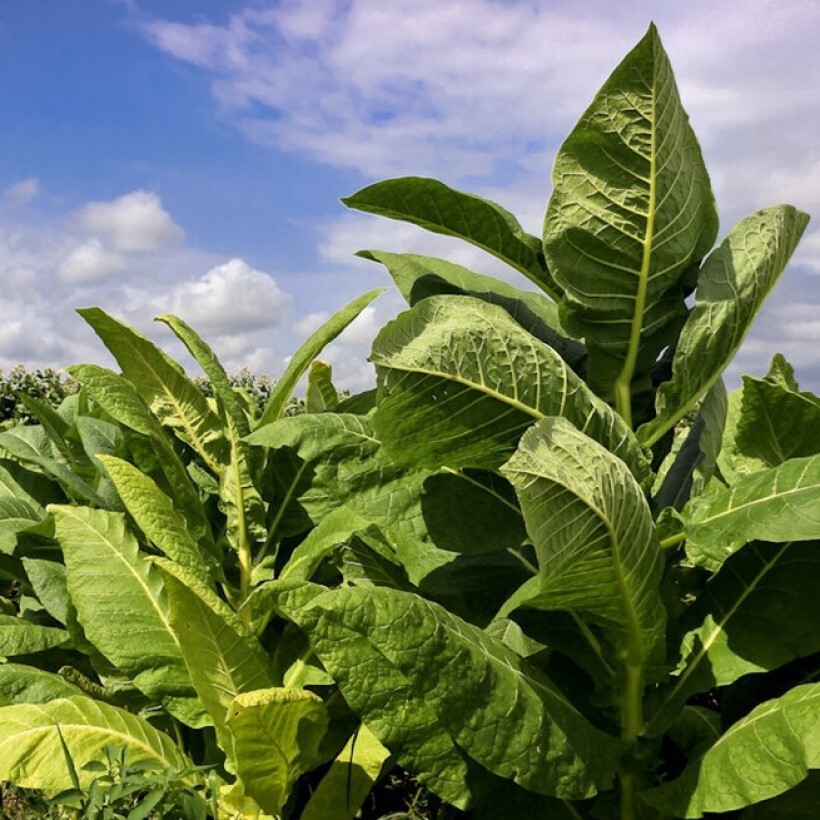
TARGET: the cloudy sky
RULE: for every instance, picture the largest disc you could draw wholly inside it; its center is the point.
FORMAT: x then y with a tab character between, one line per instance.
187	156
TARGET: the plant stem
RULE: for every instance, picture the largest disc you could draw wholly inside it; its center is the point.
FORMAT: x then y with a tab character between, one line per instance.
632	726
673	540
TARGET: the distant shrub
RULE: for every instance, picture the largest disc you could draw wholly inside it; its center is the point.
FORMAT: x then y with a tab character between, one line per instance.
45	384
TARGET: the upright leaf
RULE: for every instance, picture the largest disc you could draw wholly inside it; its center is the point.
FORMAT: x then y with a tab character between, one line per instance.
321	395
732	286
310	349
176	400
438	208
631	212
777	423
778	504
598	554
462	381
276	736
120	603
31	738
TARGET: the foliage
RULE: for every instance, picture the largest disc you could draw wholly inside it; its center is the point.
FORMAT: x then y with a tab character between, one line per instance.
547	567
46	385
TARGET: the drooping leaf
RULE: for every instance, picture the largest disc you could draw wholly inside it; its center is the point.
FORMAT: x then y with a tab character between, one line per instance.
171	395
598	554
21	683
121	606
631	212
223	661
758	613
461	382
732	286
310	349
777	504
31	738
761	756
276	735
155	514
420	277
349	780
320	395
438	208
777	423
21	637
419	676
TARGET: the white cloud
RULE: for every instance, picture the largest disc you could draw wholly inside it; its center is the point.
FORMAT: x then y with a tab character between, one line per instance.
91	262
233	298
21	193
132	222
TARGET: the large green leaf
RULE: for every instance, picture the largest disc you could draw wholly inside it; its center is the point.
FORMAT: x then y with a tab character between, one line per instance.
223	660
276	736
420	277
761	756
598	554
121	606
309	350
462	380
631	212
732	463
173	397
32	736
732	286
155	514
438	208
21	683
418	676
21	637
320	395
777	504
758	613
16	515
777	423
120	399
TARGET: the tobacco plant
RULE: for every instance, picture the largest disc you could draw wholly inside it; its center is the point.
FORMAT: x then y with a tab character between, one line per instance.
547	566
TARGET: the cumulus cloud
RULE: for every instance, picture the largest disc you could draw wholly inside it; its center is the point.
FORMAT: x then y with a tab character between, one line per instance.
132	222
91	262
230	299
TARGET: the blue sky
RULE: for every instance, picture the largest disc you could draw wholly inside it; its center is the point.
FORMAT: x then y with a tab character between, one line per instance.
188	157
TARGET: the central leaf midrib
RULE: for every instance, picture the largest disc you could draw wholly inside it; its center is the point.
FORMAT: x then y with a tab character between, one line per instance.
623	393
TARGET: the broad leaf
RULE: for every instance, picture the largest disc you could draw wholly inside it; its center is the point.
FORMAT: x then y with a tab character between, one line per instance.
777	423
21	637
761	756
222	659
16	515
420	277
320	395
171	395
32	736
777	504
732	286
27	684
276	736
732	463
462	381
415	673
310	349
631	212
598	555
349	780
758	613
120	603
155	514
120	399
438	208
